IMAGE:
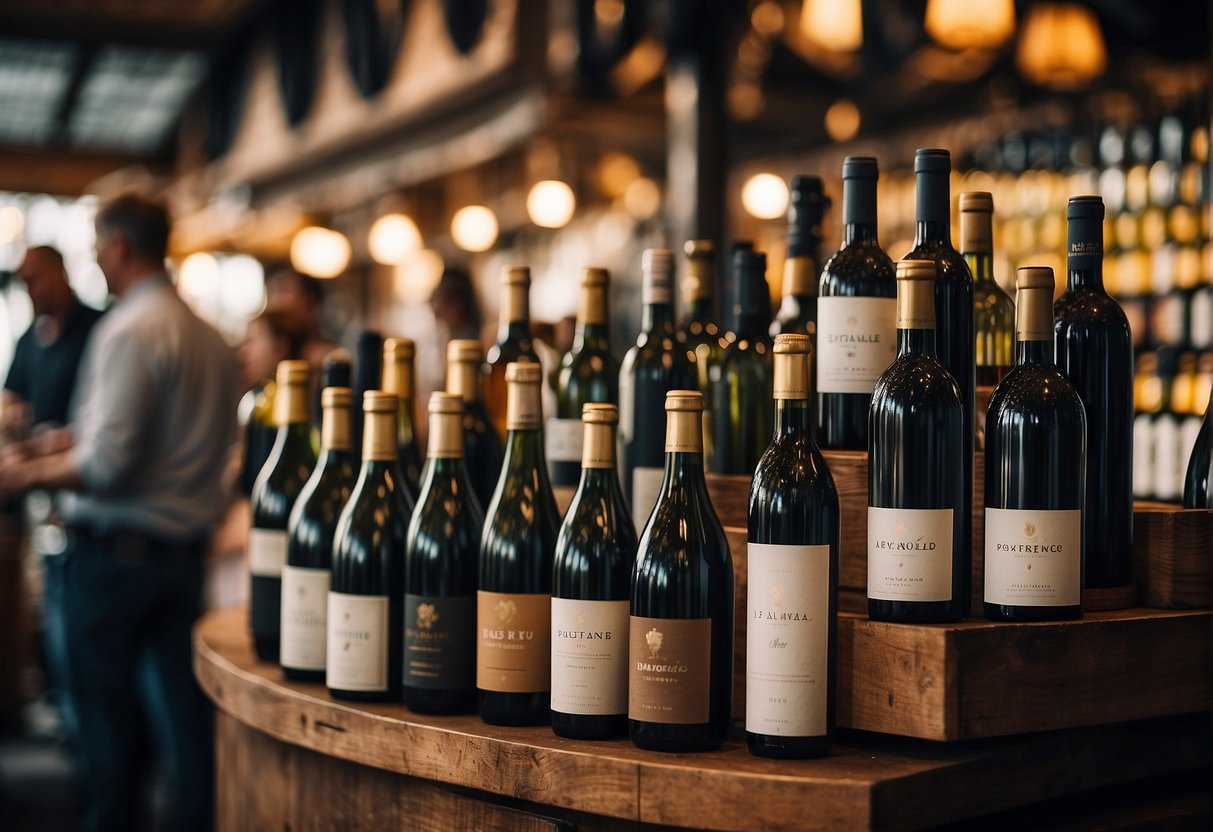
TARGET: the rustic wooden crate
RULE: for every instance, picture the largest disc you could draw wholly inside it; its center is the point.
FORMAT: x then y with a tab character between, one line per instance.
1173	555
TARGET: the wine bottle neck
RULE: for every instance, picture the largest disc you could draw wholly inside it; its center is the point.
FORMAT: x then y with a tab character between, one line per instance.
933	231
800	276
464	380
524	452
1034	352
290	404
657	316
858	232
446	436
335	429
915	341
515	314
379	437
591	337
793	418
981	264
1085	278
683	470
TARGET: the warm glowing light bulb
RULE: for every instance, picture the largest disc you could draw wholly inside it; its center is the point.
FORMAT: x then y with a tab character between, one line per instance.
392	238
834	25
320	252
842	120
642	199
765	196
474	228
551	203
1062	46
417	275
966	24
198	277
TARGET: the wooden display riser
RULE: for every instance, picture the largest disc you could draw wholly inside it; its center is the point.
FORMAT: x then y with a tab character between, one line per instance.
291	757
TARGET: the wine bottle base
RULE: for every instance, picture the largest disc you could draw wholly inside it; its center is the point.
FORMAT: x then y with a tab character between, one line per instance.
515	709
788	748
589	727
266	647
676	739
297	675
917	612
425	701
366	695
1007	612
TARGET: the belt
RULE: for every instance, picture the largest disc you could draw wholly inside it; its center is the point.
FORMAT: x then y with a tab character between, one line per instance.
137	547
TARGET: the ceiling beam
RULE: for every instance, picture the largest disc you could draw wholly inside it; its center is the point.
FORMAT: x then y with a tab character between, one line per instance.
60	136
60	173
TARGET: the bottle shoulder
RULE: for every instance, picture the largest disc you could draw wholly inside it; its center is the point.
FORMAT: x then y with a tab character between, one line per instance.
1089	309
859	269
793	466
950	265
1040	393
916	378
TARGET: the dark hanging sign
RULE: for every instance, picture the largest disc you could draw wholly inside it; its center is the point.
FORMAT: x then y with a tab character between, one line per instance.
373	31
296	28
465	21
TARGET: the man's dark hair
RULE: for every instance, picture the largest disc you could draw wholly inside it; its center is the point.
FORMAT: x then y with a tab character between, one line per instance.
142	222
47	251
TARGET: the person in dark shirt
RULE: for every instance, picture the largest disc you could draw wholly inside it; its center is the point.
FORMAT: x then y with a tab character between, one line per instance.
43	373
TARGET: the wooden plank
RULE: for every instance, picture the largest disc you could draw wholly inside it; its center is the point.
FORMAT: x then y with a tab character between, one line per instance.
1173	555
981	679
865	782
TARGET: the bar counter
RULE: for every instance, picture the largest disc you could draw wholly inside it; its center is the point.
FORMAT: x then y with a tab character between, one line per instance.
291	757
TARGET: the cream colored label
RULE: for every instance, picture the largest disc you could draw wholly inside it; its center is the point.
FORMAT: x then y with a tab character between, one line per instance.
304	617
1033	557
562	440
856	342
357	642
589	656
646	488
266	552
787	639
910	554
513	651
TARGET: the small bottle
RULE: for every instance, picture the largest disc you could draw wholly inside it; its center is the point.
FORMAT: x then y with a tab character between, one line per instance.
399	380
701	331
481	444
680	655
309	551
275	491
792	587
366	595
918	508
513	340
440	573
993	311
1036	437
514	599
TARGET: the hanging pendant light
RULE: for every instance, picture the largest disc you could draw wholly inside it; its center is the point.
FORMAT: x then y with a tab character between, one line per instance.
970	24
834	25
1061	46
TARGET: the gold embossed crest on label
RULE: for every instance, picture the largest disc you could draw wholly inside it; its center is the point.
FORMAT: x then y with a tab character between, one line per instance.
669	668
513	651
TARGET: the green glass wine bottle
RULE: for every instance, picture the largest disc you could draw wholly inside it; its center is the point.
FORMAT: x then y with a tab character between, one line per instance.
399	380
481	444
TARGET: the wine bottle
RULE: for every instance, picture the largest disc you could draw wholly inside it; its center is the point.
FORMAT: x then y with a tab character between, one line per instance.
953	296
1036	437
366	595
1094	351
398	379
918	544
1198	480
744	409
277	487
256	416
368	375
856	315
335	371
440	572
701	333
680	665
513	340
792	584
657	364
588	373
993	311
309	549
591	570
481	444
807	206
514	603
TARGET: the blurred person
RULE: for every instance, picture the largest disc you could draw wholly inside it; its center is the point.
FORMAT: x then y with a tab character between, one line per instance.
273	336
151	424
455	306
302	296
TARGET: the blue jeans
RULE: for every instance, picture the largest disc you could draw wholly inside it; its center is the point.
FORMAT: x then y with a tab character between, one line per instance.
126	627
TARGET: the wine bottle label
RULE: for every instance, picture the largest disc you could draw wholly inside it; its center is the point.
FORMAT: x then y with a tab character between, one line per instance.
589	656
1033	557
646	488
304	617
669	670
910	554
787	639
562	440
439	638
856	342
513	652
266	552
357	642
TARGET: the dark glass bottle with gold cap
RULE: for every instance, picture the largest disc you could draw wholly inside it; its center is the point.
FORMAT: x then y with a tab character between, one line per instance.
792	589
1036	437
680	666
743	409
807	206
856	315
274	494
440	573
592	566
918	508
481	444
588	373
399	380
993	310
514	600
700	332
365	651
309	552
655	365
513	340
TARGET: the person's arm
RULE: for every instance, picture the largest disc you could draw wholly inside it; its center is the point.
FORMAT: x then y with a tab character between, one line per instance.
56	470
